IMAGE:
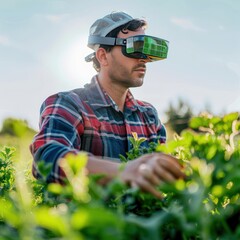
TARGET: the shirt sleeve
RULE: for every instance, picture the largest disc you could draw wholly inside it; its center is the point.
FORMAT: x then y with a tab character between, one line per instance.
60	129
162	133
161	129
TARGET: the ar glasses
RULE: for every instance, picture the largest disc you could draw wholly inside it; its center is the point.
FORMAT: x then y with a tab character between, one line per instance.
139	46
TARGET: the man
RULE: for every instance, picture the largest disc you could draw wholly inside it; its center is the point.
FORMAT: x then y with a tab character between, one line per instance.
101	117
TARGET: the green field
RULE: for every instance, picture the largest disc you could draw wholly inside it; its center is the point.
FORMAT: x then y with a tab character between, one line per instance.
205	205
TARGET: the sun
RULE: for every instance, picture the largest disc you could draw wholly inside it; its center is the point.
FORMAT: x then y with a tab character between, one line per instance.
66	62
73	62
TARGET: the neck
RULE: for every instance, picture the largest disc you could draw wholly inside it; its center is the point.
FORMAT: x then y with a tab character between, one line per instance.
117	92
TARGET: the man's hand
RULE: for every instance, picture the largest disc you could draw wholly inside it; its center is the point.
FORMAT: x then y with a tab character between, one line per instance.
150	170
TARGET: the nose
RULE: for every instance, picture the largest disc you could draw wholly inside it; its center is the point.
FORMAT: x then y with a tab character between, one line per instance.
144	60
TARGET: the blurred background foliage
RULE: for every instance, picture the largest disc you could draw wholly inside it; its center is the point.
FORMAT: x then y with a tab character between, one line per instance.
178	116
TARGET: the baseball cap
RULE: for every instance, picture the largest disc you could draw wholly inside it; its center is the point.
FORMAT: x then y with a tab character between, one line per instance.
105	25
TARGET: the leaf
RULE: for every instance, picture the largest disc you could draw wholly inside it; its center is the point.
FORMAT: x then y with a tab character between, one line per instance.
76	162
231	117
80	219
55	188
196	122
52	220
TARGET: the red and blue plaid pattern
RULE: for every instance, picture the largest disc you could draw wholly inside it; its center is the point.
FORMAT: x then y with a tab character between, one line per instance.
87	119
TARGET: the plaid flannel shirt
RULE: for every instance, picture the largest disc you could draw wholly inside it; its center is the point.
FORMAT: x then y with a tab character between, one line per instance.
87	119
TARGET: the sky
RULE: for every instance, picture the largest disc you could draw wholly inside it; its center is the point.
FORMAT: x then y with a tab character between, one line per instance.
43	44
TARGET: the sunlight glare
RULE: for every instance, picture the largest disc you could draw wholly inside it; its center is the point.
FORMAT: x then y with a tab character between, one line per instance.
76	70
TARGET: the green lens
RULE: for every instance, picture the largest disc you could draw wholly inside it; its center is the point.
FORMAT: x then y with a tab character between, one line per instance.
154	48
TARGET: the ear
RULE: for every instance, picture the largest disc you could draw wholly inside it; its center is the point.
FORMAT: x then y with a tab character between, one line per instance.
101	56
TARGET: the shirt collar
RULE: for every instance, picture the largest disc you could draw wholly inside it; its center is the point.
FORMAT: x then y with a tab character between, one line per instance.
132	104
99	98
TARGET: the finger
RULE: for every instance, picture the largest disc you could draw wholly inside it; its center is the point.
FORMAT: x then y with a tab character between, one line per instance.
144	185
154	179
164	175
171	165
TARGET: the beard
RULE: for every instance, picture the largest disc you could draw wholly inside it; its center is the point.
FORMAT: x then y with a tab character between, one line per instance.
128	77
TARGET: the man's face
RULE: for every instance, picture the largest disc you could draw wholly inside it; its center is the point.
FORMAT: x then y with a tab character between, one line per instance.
129	72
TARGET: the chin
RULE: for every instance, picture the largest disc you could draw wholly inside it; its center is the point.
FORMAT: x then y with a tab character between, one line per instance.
137	82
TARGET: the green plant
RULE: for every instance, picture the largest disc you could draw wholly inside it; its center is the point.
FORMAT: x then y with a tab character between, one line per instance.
6	170
205	205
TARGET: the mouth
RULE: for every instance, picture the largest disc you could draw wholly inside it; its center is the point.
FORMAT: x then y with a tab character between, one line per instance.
141	70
